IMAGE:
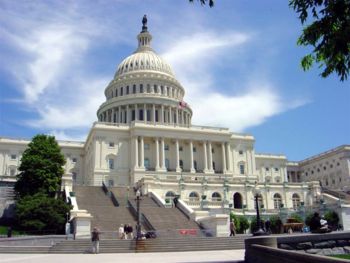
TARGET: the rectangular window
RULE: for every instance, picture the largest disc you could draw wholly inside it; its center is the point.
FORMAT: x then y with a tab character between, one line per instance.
180	148
240	152
13	172
74	160
166	147
276	169
111	144
121	91
13	156
141	88
111	164
146	146
194	149
127	90
267	169
134	89
133	115
241	168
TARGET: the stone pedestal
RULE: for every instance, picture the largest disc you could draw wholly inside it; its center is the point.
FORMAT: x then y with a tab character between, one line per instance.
218	224
82	223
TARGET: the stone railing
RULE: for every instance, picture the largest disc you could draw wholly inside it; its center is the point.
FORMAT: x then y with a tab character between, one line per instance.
297	248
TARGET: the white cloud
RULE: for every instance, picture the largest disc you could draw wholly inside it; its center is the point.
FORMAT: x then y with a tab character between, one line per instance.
195	58
62	136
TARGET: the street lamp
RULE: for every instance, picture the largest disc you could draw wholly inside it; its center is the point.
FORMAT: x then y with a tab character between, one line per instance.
259	231
138	225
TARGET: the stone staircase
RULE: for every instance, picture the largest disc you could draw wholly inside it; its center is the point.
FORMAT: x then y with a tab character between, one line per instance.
105	215
152	245
162	219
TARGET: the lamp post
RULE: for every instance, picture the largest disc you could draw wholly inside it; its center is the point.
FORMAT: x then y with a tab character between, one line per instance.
138	225
259	231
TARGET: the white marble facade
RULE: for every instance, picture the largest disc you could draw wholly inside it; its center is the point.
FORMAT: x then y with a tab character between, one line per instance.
144	136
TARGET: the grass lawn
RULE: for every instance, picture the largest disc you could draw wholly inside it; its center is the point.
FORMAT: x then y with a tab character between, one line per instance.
3	231
347	256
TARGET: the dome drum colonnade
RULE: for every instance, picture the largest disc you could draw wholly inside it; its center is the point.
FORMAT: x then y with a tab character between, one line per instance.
145	89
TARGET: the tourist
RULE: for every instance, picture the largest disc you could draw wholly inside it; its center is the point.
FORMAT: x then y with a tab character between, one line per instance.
175	202
318	225
130	232
268	226
121	231
95	238
232	228
126	231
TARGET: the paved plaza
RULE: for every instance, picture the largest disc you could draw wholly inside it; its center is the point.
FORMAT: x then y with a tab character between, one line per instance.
195	256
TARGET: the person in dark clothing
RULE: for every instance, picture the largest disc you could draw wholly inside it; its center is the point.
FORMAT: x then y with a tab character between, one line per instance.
95	238
175	201
126	231
9	232
268	226
130	232
315	224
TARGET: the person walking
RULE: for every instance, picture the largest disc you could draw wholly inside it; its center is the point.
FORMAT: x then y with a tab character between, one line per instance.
95	238
130	232
121	232
232	228
126	231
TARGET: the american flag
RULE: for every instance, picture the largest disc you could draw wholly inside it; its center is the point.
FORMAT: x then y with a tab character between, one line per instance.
182	104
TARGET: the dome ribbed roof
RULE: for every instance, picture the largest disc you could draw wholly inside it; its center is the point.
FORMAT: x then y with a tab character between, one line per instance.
144	60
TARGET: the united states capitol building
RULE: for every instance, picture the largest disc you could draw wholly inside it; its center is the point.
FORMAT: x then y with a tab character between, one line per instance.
144	137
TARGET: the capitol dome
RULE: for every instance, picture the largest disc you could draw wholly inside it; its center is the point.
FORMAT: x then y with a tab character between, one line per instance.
144	89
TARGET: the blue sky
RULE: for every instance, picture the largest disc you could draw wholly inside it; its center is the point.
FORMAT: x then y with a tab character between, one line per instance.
238	62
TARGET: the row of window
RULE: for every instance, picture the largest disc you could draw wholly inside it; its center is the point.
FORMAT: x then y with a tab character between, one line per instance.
267	169
147	165
319	170
166	91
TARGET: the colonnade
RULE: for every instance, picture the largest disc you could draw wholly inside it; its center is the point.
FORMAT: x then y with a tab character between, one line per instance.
138	143
147	113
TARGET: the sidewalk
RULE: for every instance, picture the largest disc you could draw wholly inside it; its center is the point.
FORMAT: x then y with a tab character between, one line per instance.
195	256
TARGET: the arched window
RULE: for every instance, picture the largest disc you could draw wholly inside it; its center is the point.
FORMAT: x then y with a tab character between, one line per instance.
296	201
170	194
237	201
141	88
194	197
277	201
167	164
216	196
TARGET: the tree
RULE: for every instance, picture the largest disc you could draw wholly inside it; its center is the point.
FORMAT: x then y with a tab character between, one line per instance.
328	34
41	168
204	2
41	213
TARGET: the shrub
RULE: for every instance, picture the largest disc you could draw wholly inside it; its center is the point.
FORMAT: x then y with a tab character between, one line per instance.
241	223
308	218
276	224
332	219
297	218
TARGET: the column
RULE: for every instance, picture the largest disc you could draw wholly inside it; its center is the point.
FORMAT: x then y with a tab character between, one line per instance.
229	159
177	116
223	157
142	161
127	114
205	159
178	169
154	113
191	158
157	154
210	158
162	164
162	114
136	142
182	118
136	113
113	114
170	115
144	113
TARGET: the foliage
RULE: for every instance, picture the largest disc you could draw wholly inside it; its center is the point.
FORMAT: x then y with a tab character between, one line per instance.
332	218
204	2
328	34
254	225
41	167
297	218
241	222
41	212
276	224
308	219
